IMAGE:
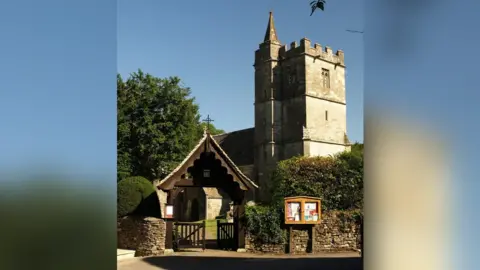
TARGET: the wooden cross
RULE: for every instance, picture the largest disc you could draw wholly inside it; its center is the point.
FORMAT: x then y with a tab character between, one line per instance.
208	120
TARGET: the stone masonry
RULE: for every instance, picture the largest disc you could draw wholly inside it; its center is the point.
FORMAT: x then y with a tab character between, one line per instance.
151	241
334	234
128	231
145	235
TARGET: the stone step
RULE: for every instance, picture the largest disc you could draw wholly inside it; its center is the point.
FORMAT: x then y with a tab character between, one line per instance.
123	254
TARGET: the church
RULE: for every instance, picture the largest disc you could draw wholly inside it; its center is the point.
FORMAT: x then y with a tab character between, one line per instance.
300	109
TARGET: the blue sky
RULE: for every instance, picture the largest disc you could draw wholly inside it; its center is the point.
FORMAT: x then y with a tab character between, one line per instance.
58	99
211	47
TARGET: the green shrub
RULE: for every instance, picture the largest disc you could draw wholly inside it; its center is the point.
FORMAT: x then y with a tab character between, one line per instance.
337	180
136	196
264	224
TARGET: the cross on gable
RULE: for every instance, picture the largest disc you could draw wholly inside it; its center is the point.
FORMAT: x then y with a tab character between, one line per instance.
208	120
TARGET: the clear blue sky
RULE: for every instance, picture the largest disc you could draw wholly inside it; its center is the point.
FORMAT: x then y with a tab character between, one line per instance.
58	61
211	47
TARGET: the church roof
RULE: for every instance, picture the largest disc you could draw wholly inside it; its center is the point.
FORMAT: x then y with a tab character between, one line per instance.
207	142
238	145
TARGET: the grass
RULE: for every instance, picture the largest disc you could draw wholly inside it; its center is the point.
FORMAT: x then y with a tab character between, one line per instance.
211	227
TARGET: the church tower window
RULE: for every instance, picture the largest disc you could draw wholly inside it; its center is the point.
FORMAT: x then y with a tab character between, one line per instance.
326	115
325	78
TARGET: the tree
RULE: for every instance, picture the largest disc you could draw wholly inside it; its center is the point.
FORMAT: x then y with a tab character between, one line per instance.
212	128
158	124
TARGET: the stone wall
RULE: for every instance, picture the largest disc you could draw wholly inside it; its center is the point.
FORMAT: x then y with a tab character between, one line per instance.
301	240
339	231
151	240
145	235
253	247
127	232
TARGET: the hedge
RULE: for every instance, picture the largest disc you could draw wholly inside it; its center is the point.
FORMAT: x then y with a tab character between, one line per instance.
264	224
337	180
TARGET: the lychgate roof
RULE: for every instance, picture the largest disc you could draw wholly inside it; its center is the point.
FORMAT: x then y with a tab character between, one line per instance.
207	143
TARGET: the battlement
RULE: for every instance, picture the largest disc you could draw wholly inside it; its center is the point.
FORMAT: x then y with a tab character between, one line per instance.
305	47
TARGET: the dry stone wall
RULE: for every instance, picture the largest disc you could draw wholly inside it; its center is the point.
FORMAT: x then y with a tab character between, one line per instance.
253	247
151	241
145	235
127	232
339	231
301	239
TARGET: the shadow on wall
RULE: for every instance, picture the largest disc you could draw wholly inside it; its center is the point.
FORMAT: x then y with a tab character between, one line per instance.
210	263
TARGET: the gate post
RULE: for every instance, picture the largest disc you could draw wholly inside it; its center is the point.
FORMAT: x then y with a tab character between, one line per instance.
239	223
203	235
218	235
169	226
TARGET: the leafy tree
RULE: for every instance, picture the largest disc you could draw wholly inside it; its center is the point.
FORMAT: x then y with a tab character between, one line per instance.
158	124
212	128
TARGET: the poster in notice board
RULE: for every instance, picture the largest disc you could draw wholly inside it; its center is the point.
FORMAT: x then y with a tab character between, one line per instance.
311	211
293	211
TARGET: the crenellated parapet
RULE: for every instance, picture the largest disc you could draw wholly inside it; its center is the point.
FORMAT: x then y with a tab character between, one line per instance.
305	48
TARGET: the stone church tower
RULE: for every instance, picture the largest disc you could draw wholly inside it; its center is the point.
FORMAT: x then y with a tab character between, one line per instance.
300	104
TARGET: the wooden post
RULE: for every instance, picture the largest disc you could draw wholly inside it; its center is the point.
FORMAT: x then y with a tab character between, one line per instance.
203	235
310	239
291	248
169	225
218	234
239	223
313	238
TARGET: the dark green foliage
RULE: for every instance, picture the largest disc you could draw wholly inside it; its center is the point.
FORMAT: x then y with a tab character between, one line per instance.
264	224
350	216
212	128
137	196
158	124
337	180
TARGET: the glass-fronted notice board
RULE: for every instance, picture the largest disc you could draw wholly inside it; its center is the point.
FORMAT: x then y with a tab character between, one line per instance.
302	210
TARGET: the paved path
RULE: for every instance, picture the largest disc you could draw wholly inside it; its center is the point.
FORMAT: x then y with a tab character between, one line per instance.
213	259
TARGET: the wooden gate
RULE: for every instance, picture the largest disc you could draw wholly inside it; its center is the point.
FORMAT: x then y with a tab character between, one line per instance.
225	235
189	235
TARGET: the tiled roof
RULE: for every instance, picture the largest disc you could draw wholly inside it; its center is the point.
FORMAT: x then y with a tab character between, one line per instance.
238	145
